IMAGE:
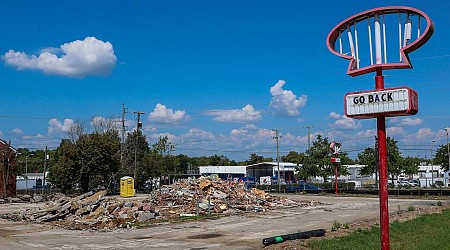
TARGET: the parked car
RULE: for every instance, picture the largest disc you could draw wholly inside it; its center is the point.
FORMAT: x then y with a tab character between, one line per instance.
403	183
414	183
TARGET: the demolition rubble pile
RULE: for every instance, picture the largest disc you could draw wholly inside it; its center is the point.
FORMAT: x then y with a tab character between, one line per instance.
185	198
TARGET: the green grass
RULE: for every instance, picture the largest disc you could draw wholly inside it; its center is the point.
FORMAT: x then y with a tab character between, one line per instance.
425	232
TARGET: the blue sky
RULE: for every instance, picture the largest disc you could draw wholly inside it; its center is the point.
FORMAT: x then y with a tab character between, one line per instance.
215	76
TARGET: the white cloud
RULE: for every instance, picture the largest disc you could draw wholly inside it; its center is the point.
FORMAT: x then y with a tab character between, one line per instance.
334	115
162	114
343	122
285	102
38	136
244	130
395	131
89	57
424	133
198	134
246	114
366	133
17	131
411	122
57	126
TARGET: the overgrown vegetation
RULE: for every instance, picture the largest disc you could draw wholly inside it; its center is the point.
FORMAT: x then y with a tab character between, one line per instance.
424	232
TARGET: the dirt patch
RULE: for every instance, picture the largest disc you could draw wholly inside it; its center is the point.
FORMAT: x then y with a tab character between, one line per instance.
363	224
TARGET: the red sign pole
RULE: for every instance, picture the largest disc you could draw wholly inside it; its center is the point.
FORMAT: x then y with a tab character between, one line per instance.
382	159
336	176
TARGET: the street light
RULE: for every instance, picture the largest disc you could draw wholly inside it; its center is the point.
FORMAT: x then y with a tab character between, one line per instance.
448	147
26	172
431	157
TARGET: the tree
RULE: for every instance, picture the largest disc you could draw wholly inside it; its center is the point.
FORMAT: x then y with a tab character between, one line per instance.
160	160
395	162
368	157
411	165
394	158
441	157
254	159
134	157
98	158
64	173
318	162
294	157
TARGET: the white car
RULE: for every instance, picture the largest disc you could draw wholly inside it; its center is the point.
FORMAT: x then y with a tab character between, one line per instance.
414	183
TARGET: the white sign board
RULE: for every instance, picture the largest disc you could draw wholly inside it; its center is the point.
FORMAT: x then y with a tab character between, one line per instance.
386	102
265	180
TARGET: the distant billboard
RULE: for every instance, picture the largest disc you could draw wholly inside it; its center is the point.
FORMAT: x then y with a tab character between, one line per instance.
387	102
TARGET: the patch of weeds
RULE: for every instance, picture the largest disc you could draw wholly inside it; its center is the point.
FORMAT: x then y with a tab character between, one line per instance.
336	225
346	225
399	211
439	203
411	208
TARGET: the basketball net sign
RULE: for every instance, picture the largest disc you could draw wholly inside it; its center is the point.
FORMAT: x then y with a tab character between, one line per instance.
389	33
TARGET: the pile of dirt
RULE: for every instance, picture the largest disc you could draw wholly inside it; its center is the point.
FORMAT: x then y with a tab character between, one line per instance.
190	197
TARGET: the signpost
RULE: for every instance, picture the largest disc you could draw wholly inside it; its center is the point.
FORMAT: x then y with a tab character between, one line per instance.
335	148
381	102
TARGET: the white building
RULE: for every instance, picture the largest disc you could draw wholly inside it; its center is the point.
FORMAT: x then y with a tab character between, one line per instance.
429	174
28	181
263	169
224	172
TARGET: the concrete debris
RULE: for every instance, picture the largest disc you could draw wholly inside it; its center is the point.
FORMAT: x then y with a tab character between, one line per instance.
186	198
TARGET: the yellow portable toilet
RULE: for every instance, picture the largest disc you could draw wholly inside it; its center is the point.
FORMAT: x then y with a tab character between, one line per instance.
127	186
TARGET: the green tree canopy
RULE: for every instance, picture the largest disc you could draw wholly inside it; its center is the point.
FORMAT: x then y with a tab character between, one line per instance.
441	157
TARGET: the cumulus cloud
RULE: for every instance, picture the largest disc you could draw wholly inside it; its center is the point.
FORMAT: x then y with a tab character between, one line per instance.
395	131
246	114
38	136
411	122
198	134
162	114
343	122
58	127
80	58
17	131
285	102
424	133
244	130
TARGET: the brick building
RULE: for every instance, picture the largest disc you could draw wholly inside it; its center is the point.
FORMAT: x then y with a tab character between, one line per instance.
7	170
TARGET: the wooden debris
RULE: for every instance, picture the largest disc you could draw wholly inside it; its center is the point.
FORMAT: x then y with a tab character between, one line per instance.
185	198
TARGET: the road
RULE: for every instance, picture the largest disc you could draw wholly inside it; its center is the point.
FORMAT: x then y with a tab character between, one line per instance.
244	231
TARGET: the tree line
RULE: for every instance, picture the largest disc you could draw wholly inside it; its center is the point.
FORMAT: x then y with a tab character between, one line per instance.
84	161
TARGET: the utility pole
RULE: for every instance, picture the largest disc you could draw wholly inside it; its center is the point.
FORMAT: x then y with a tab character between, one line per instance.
122	145
45	167
123	122
309	134
139	125
278	159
